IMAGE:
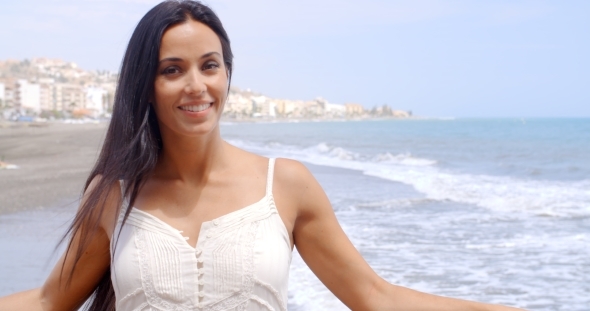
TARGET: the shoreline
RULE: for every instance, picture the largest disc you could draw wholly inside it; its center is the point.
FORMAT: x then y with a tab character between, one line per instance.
306	120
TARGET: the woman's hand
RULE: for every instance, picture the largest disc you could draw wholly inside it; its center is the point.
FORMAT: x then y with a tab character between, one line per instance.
326	249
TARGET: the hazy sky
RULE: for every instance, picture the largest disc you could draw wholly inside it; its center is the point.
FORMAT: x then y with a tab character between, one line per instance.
436	58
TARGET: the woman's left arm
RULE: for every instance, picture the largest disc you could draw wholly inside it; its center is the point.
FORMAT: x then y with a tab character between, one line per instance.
326	249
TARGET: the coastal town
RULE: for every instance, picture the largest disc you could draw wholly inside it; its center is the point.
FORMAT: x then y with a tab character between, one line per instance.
42	89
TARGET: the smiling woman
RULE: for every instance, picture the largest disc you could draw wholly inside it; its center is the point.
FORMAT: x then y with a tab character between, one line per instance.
192	80
175	218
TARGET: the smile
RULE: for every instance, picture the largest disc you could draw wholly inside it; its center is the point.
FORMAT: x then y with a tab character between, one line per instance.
195	108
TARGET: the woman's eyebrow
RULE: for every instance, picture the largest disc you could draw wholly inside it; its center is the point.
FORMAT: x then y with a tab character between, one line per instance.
209	54
178	59
170	59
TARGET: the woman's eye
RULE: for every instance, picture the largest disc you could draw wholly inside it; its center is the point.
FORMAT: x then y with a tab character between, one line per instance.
170	70
210	65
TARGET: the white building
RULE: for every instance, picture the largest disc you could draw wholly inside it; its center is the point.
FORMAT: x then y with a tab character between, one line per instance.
95	100
28	96
272	109
334	110
2	95
263	106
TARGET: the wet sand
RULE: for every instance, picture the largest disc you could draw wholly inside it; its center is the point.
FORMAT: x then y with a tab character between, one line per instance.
54	161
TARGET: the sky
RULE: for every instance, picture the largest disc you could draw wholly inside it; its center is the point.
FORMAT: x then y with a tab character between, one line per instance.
445	58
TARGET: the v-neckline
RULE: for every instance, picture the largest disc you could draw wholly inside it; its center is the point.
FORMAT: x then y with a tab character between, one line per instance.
178	232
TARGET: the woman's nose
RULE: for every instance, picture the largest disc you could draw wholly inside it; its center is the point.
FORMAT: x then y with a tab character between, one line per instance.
195	84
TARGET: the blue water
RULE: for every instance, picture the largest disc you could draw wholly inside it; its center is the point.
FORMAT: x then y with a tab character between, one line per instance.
548	149
495	210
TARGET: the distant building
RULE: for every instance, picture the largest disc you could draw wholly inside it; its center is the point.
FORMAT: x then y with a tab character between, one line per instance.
272	109
401	114
2	95
28	96
289	108
9	90
246	103
42	85
353	110
334	110
95	100
313	108
70	96
47	94
238	105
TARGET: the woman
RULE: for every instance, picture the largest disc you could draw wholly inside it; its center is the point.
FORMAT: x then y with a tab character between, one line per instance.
175	218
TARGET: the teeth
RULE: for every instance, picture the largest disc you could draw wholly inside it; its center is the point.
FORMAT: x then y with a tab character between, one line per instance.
195	108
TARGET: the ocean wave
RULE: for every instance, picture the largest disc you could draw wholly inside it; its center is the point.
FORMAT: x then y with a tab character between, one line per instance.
393	203
543	198
403	159
501	193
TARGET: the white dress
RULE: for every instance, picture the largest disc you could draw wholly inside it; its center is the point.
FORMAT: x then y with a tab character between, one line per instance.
241	261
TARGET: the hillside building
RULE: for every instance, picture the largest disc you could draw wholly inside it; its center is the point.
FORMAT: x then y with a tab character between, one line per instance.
28	96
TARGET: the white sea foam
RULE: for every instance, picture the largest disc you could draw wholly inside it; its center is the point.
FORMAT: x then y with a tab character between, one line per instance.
544	198
9	167
503	193
402	159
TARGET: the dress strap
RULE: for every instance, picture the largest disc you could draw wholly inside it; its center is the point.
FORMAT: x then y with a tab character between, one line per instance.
122	186
271	168
124	200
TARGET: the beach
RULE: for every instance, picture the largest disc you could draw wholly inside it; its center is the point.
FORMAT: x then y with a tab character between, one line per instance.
53	160
39	197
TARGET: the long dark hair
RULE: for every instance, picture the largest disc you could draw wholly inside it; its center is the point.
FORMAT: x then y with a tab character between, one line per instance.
133	142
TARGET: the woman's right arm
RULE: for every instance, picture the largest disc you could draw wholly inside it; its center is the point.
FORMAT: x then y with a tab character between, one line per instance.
60	292
29	300
56	293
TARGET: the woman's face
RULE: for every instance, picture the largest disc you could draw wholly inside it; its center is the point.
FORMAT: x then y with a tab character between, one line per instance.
191	83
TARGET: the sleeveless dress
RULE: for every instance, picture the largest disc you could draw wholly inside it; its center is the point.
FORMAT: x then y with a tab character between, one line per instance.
241	261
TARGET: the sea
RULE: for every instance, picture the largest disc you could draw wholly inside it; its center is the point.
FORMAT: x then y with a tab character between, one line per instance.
492	210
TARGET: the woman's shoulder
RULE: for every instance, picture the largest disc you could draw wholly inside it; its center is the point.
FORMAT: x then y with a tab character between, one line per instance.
291	171
294	181
289	175
283	167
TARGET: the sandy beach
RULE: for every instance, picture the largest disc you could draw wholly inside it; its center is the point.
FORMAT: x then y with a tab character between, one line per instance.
53	160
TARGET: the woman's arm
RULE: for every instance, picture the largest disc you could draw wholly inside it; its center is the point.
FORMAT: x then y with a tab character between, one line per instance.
391	297
326	249
57	293
60	292
28	300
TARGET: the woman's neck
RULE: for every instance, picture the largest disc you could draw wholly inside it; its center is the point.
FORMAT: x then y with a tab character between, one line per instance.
190	159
